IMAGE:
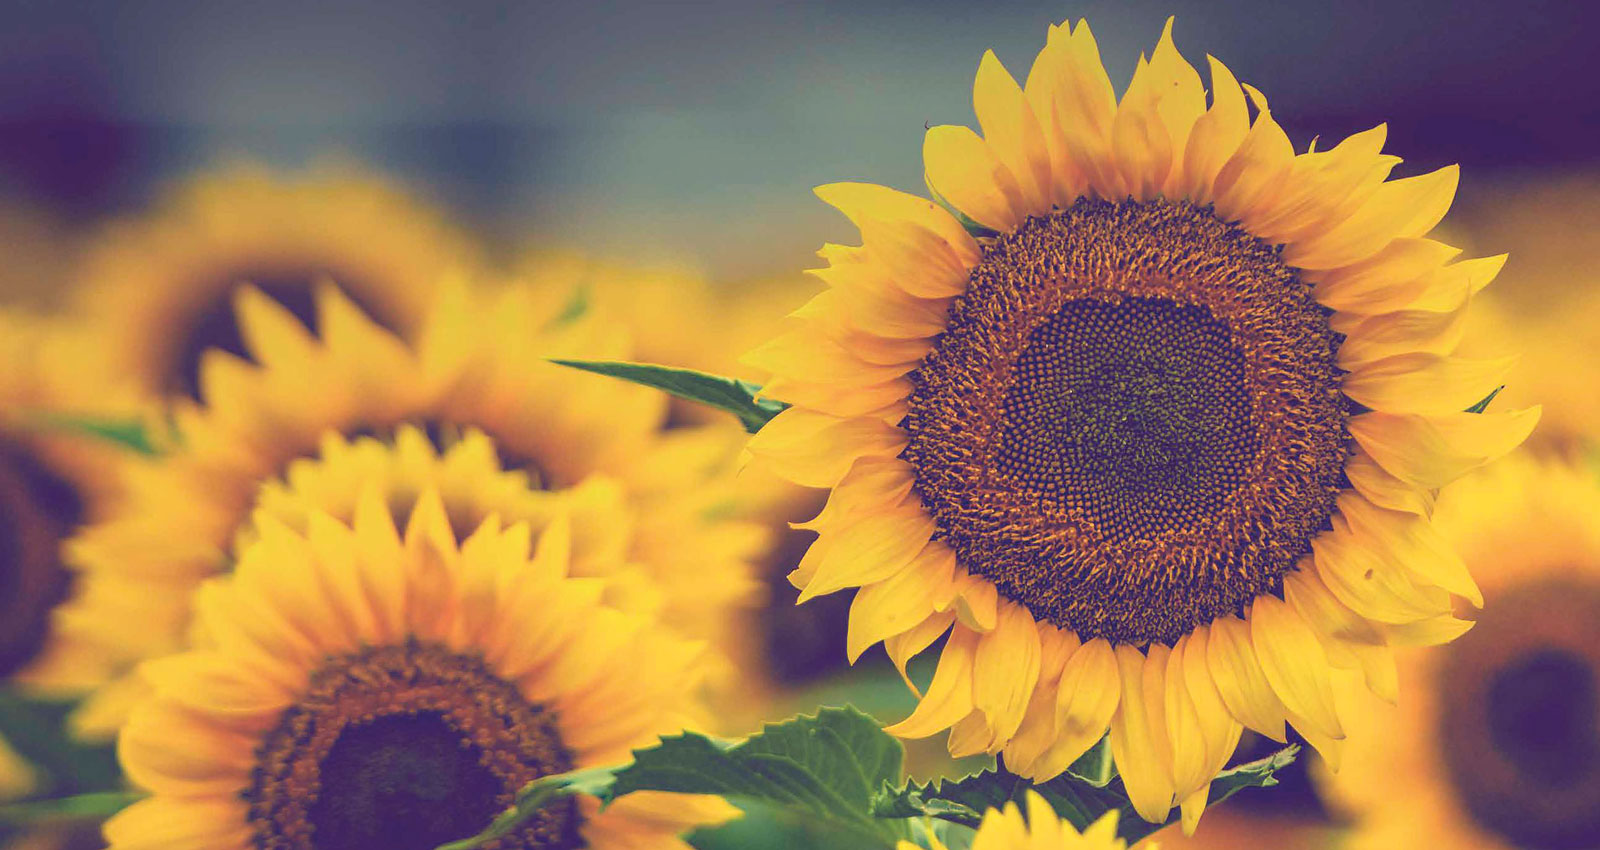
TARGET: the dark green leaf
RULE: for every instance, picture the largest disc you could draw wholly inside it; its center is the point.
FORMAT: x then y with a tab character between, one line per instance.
729	394
822	768
1484	405
129	434
37	730
1074	798
977	230
1095	766
96	806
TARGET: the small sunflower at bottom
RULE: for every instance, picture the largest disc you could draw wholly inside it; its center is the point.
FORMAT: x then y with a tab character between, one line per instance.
1498	746
1006	829
159	289
1155	447
353	687
479	366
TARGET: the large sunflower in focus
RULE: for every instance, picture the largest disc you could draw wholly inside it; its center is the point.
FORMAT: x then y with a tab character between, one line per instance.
160	289
1499	746
1157	449
479	366
353	688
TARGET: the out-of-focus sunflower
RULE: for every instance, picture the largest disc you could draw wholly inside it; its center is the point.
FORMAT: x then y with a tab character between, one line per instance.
51	480
1157	453
159	289
480	363
1499	745
455	671
1005	829
1550	312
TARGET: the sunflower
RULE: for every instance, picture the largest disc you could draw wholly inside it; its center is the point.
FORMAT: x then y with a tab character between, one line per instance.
160	289
455	673
1005	829
1154	449
1550	313
479	365
1499	747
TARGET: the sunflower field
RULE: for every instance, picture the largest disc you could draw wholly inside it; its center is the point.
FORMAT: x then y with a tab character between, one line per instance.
496	427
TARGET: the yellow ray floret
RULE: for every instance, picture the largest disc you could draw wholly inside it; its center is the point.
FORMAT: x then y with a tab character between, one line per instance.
1005	829
1157	446
474	666
478	374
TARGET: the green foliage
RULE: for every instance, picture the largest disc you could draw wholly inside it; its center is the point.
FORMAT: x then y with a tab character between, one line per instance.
825	768
1075	798
1484	405
836	778
97	805
37	730
740	398
129	434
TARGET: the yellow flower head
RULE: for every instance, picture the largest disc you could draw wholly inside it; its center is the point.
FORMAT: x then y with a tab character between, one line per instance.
159	289
373	689
1499	746
1156	448
1005	829
645	503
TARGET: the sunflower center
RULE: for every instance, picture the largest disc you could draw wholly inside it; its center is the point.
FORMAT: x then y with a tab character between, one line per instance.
405	748
1520	715
1132	412
215	324
37	510
1132	424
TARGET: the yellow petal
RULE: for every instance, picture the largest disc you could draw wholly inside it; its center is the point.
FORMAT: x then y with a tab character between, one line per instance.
949	696
1294	663
1138	732
1399	208
1425	383
1370	586
1414	543
1257	168
1216	135
1388	280
1241	684
902	647
1013	133
1140	146
1434	631
902	601
870	550
924	247
962	168
1432	451
1343	632
1181	100
1085	106
815	450
1085	701
1005	671
1385	490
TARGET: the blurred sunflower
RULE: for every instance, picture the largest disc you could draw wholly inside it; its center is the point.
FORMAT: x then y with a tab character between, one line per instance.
457	672
1551	312
1005	829
51	480
1156	449
159	289
479	366
1499	747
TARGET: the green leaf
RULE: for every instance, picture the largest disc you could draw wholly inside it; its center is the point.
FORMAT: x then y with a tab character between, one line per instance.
1484	405
94	806
1074	798
741	398
976	230
1095	766
824	768
37	730
129	434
